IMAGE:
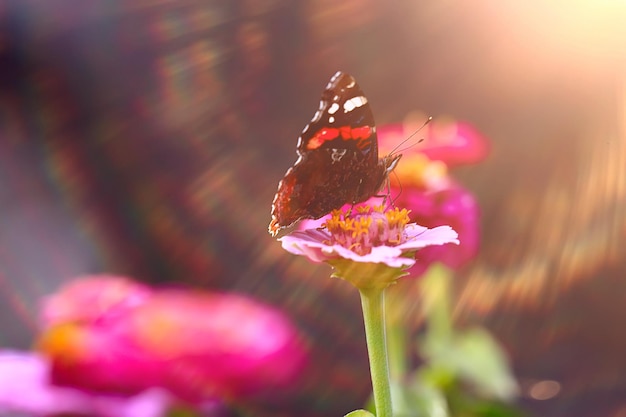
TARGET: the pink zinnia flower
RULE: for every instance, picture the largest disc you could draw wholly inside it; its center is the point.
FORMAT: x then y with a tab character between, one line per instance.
109	334
368	236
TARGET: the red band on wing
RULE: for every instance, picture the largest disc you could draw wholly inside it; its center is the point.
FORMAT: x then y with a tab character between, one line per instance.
363	132
323	135
346	133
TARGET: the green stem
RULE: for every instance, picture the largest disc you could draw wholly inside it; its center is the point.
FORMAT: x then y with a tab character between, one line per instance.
372	302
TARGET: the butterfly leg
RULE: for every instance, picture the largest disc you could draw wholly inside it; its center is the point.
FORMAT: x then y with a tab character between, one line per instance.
354	202
387	195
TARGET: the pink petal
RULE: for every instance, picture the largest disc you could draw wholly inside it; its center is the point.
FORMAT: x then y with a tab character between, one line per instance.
25	388
419	237
312	244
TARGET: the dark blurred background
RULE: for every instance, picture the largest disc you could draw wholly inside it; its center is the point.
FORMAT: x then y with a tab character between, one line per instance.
147	138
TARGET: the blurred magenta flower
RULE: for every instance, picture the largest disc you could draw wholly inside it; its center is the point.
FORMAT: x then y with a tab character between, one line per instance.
451	142
109	334
455	143
423	185
454	206
367	235
25	389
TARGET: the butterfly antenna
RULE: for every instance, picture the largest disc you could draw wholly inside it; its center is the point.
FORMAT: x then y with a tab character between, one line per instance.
397	148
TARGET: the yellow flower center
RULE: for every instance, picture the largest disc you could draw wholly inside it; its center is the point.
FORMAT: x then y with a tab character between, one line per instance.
367	227
418	170
65	342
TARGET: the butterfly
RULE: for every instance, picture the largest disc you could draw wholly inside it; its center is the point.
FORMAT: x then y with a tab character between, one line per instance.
337	161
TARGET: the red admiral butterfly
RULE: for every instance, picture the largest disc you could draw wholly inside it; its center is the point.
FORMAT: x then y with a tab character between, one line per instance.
337	158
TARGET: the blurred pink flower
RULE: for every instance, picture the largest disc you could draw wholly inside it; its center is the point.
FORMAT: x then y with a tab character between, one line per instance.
454	206
25	388
423	184
367	236
453	143
110	334
96	298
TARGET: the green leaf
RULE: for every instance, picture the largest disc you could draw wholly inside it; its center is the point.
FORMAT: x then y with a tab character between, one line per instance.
474	357
486	365
418	400
359	413
435	297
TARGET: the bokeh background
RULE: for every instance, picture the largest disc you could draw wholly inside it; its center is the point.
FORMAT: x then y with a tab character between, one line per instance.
147	138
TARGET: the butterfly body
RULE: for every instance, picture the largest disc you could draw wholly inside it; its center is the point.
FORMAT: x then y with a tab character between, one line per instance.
337	161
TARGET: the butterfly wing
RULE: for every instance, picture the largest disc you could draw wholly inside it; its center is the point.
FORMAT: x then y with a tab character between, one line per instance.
311	189
344	120
337	158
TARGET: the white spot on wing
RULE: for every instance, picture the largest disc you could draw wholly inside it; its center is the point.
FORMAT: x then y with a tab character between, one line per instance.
316	116
333	108
332	80
354	103
331	119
